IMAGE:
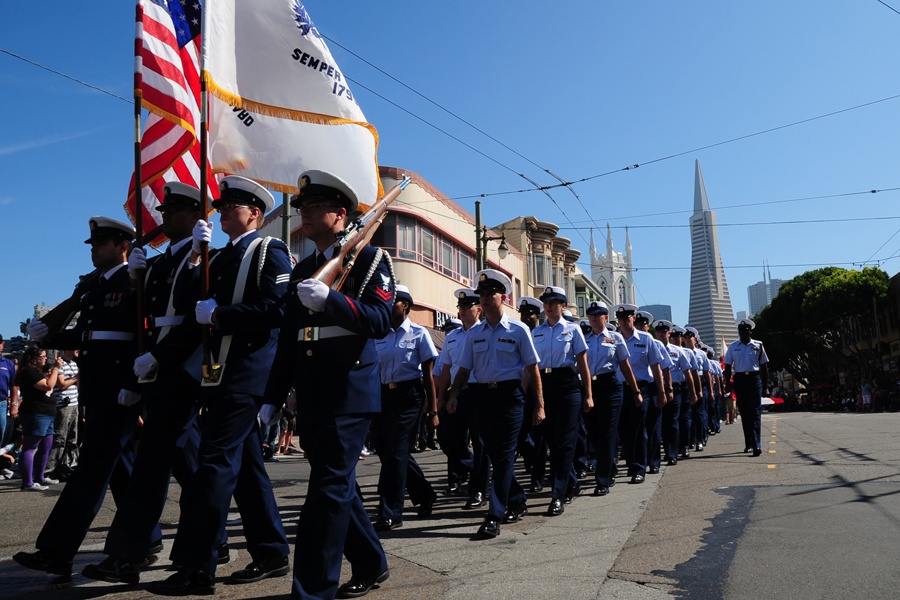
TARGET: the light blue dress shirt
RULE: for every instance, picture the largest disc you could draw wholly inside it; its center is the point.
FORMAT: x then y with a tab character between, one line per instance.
558	345
402	352
498	353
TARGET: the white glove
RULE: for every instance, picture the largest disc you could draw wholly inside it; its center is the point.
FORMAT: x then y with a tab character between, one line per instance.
129	398
205	310
145	364
37	330
202	232
137	261
269	414
313	294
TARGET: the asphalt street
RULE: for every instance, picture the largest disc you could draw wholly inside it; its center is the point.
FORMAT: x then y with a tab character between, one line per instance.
816	516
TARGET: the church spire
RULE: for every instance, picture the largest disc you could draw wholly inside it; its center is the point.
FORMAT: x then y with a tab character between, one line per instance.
593	249
609	245
627	247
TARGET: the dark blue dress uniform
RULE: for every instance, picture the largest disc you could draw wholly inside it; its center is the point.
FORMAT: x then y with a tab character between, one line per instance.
170	422
453	428
330	359
654	422
496	357
105	335
605	352
643	353
558	346
400	356
230	452
680	369
746	363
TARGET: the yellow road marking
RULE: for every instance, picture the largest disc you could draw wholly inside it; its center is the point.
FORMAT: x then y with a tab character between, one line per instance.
771	466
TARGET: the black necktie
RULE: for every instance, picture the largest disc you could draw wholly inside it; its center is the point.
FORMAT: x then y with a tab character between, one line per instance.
320	260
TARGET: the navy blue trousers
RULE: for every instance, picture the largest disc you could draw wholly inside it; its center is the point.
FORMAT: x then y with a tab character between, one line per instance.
671	415
104	461
700	429
748	389
169	428
453	436
633	428
480	478
231	464
333	522
685	421
603	425
562	403
395	431
500	414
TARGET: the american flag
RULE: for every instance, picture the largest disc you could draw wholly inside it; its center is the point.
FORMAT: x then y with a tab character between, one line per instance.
167	74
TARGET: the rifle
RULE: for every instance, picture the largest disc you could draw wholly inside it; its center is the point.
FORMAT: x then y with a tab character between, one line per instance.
62	314
349	242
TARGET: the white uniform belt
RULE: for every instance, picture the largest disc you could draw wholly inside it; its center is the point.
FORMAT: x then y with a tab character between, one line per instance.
165	321
312	334
118	336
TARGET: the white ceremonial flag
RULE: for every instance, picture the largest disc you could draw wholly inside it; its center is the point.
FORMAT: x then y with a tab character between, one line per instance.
279	104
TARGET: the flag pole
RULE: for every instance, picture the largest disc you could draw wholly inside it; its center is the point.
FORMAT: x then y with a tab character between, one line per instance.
138	196
210	372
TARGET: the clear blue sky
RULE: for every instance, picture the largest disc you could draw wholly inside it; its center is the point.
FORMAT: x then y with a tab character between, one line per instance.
580	88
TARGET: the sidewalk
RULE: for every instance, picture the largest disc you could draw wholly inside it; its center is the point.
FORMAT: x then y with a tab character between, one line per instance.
539	557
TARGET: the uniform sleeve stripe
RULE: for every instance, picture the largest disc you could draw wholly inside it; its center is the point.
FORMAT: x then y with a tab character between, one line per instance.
283	278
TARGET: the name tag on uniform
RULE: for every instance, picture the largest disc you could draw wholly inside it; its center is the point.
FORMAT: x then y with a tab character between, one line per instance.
640	346
538	336
478	341
506	341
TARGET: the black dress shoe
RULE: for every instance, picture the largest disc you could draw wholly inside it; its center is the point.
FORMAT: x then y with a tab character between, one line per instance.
44	561
452	489
573	491
653	470
271	566
427	506
186	582
515	513
155	547
360	586
223	554
383	524
536	487
489	529
476	501
748	450
672	462
601	490
612	481
685	454
637	479
113	571
757	451
556	508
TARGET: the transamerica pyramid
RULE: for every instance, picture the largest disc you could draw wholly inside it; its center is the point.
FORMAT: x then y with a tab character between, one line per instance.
710	309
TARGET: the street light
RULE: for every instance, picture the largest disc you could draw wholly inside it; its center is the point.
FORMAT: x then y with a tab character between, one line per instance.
502	250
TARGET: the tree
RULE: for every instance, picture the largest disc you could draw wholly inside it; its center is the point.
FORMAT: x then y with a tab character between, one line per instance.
822	322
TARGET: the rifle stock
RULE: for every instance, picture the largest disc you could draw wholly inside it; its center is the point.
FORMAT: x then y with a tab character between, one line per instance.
335	270
62	314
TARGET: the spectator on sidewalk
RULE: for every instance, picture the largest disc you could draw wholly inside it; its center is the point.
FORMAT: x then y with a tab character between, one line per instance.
64	452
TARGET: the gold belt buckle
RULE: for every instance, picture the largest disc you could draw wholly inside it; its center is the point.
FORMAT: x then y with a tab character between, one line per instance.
492	385
548	370
392	386
310	334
